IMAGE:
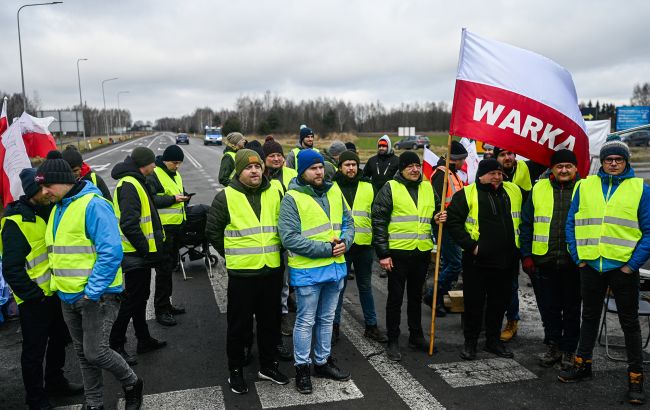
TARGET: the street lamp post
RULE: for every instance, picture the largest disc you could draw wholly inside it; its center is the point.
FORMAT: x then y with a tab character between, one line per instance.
81	104
108	131
119	117
20	47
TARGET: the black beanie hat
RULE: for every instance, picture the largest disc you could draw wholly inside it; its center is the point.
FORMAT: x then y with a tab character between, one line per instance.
27	180
458	151
173	153
407	158
72	157
256	146
54	170
497	150
564	155
272	147
487	165
304	132
350	146
143	156
348	156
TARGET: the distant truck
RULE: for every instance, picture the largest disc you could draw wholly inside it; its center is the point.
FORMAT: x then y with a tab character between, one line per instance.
212	136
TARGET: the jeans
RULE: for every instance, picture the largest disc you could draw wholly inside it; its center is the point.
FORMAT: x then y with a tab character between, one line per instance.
512	311
450	259
361	258
284	295
560	290
44	337
408	273
90	324
137	284
593	287
315	315
164	283
257	296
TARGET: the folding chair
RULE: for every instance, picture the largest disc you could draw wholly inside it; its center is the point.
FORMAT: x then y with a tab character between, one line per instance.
609	306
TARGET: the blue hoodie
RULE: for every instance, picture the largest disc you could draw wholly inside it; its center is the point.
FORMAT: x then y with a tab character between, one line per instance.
102	229
642	251
292	240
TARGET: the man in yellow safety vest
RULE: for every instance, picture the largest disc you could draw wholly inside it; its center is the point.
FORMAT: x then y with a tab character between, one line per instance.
305	141
234	142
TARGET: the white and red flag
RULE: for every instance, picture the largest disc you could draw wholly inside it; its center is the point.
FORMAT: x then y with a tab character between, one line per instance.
429	163
517	100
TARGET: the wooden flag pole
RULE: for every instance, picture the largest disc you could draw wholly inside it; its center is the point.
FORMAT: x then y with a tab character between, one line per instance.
443	198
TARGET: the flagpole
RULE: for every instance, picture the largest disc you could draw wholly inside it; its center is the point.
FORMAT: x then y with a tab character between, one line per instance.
434	302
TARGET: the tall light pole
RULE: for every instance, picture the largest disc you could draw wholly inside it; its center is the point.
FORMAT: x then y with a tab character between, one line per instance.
119	120
20	46
81	107
108	131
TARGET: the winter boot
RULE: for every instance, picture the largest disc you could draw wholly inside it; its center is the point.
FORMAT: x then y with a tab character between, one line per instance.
469	352
303	379
552	356
581	370
510	330
392	351
635	393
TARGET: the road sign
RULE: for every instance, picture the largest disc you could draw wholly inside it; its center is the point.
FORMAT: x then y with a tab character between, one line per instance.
65	121
630	117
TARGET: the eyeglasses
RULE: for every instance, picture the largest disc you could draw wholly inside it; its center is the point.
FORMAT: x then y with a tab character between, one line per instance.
610	160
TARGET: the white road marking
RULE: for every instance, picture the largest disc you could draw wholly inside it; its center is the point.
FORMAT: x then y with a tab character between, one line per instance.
214	184
396	376
205	398
219	284
193	160
100	168
120	146
151	311
127	150
273	396
210	180
482	372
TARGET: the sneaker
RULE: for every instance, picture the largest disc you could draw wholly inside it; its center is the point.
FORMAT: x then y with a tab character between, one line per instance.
551	356
499	349
149	345
330	370
418	342
303	379
510	330
286	325
392	351
567	360
335	334
237	382
469	351
166	319
129	359
373	332
635	393
177	310
133	395
63	387
273	374
284	353
581	370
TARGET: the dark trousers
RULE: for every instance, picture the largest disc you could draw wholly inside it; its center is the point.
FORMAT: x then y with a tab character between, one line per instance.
593	285
45	335
559	287
248	297
536	281
133	306
480	284
408	272
163	292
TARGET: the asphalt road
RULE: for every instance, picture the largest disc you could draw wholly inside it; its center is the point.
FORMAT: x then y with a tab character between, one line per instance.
191	373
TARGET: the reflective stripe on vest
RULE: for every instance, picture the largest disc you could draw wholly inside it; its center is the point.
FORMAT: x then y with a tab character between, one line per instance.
72	254
608	229
410	226
317	226
37	263
145	214
522	176
454	184
174	214
231	155
252	243
543	203
471	195
295	151
361	213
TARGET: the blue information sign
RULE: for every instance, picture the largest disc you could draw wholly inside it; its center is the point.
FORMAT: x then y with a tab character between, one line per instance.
630	117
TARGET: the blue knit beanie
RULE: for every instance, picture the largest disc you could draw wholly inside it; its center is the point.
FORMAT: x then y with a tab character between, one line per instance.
304	132
28	181
614	146
307	158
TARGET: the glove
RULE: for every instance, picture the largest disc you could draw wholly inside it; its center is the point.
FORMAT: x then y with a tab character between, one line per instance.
528	265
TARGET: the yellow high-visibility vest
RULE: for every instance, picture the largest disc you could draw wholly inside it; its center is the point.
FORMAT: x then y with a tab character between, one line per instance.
295	151
287	175
410	226
522	176
174	214
232	155
361	213
145	214
543	202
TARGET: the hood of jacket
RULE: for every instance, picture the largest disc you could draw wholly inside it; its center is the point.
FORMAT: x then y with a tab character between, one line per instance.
23	208
617	179
409	184
160	164
390	146
127	168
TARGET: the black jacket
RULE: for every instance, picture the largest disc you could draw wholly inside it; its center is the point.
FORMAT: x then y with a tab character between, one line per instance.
382	208
130	207
496	243
349	189
227	167
219	218
16	249
162	201
381	168
534	169
100	184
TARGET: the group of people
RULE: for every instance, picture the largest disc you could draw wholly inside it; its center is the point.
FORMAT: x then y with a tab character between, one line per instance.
79	262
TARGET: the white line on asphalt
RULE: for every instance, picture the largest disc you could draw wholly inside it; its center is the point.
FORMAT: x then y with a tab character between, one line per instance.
205	398
210	180
481	372
396	376
193	160
220	285
274	396
151	311
120	146
99	168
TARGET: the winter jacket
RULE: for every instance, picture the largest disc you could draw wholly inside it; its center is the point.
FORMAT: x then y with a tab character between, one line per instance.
278	175
130	208
330	165
293	241
496	242
380	169
16	248
102	230
349	189
162	201
382	208
219	218
290	160
227	167
438	180
557	251
641	252
106	193
534	169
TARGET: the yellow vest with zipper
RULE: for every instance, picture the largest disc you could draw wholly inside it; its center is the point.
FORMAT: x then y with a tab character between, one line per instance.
295	151
232	155
410	226
287	175
543	203
361	213
174	214
145	214
522	176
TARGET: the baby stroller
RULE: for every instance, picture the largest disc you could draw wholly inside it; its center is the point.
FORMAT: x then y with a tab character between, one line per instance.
194	244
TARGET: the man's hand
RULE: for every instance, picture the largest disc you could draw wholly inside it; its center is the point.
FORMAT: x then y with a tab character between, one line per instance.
338	249
440	217
528	265
626	269
582	264
386	264
182	198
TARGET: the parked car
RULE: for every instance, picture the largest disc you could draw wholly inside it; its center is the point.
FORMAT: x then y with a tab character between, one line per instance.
637	138
183	139
413	142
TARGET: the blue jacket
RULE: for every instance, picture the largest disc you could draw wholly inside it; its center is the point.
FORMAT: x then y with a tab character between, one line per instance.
103	231
292	240
641	252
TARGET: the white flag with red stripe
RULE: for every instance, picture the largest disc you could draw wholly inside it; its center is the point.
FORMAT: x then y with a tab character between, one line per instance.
517	100
430	163
4	181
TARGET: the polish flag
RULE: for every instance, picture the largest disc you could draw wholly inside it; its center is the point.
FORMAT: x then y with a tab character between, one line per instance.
517	100
429	164
4	123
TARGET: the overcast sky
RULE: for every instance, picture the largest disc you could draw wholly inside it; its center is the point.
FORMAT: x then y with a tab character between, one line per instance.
174	56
